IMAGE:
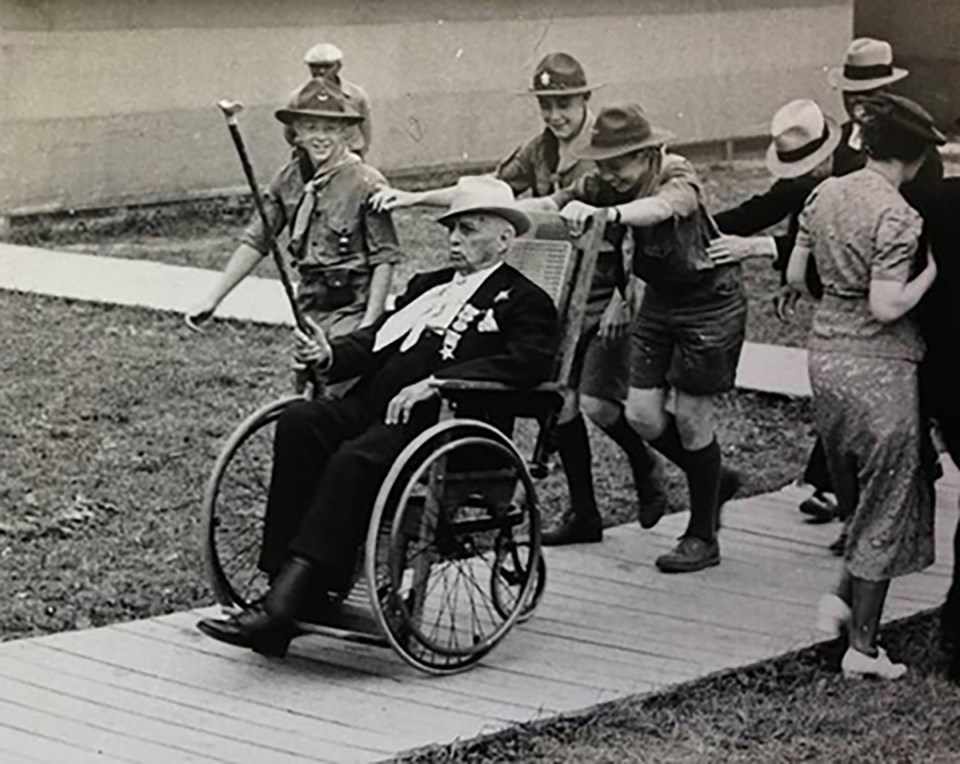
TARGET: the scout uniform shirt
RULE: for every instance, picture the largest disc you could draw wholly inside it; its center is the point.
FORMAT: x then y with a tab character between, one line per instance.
336	239
543	165
670	256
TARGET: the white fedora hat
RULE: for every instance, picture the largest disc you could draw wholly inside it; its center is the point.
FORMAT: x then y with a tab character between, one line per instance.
868	65
484	193
802	138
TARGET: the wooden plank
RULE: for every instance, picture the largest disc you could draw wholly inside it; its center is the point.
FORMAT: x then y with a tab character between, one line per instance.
312	685
29	746
497	680
263	742
337	742
91	735
141	721
360	678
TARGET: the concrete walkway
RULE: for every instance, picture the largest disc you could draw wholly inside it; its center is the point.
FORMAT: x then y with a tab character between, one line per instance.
765	368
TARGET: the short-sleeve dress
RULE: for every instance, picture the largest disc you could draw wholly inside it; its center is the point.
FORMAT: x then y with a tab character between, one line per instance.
864	374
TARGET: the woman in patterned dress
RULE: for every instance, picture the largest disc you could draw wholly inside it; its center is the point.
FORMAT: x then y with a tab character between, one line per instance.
864	353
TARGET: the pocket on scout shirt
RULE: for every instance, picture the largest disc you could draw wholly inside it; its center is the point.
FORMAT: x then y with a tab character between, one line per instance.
673	253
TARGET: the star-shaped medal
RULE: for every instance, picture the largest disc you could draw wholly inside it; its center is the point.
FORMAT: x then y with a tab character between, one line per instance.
447	353
502	296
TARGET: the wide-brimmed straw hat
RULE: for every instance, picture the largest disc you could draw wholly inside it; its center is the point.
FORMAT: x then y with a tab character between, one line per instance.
559	74
487	194
620	130
803	137
323	53
868	65
904	114
318	98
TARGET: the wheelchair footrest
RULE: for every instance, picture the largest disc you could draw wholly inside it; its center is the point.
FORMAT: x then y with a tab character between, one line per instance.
346	620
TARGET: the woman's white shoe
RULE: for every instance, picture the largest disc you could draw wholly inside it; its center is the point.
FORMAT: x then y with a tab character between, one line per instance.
856	665
832	615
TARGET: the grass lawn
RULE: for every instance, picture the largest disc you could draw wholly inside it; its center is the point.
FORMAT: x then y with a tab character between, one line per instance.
110	419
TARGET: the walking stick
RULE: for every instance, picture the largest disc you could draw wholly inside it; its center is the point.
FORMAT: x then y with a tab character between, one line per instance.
230	111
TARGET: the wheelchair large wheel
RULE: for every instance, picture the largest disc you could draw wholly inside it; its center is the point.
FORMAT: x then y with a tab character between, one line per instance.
233	507
453	549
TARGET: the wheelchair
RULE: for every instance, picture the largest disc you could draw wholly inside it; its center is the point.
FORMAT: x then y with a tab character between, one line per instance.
452	559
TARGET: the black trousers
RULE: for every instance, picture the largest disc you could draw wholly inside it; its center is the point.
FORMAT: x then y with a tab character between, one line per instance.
816	473
329	459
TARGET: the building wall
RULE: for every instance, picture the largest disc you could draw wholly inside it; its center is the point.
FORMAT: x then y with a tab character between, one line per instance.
926	40
103	101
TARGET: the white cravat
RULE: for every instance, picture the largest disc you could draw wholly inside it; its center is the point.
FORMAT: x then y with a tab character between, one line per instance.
435	309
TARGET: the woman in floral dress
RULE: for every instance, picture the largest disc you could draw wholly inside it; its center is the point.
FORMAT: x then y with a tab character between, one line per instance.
864	354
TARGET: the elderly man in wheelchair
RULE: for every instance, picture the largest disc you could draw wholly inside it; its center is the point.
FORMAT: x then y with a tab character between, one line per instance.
479	320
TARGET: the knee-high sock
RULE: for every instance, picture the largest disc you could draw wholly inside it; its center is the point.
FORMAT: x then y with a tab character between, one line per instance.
703	479
669	443
573	445
642	461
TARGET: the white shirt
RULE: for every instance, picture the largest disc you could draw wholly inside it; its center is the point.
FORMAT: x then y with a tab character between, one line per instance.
435	309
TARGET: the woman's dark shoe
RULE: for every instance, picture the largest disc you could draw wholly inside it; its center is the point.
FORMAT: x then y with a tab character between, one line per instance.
838	547
269	628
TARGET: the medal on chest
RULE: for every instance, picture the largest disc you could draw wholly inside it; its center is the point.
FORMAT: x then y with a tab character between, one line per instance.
451	338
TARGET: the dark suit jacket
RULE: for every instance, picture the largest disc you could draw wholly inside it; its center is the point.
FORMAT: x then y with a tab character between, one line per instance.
784	200
520	351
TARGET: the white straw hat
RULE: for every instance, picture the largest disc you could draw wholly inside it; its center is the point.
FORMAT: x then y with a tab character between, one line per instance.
484	193
802	138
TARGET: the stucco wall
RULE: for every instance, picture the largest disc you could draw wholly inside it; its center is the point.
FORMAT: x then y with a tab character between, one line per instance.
104	101
926	40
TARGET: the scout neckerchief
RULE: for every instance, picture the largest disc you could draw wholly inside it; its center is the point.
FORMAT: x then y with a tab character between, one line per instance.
308	200
445	306
570	149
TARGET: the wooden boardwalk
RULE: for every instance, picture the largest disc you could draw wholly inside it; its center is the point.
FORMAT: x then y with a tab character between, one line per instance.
609	626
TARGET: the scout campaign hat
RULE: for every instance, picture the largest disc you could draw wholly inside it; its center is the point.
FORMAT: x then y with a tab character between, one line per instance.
868	65
620	130
802	138
318	98
903	114
484	193
559	74
323	53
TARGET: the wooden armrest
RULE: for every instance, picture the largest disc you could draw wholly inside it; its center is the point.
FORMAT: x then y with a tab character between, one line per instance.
469	385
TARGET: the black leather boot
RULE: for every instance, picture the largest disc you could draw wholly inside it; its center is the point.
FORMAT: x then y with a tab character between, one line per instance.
268	628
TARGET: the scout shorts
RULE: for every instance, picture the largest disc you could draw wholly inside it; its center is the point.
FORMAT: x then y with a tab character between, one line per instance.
600	368
690	342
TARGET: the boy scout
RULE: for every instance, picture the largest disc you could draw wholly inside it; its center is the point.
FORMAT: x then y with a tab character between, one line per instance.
690	326
548	162
343	250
